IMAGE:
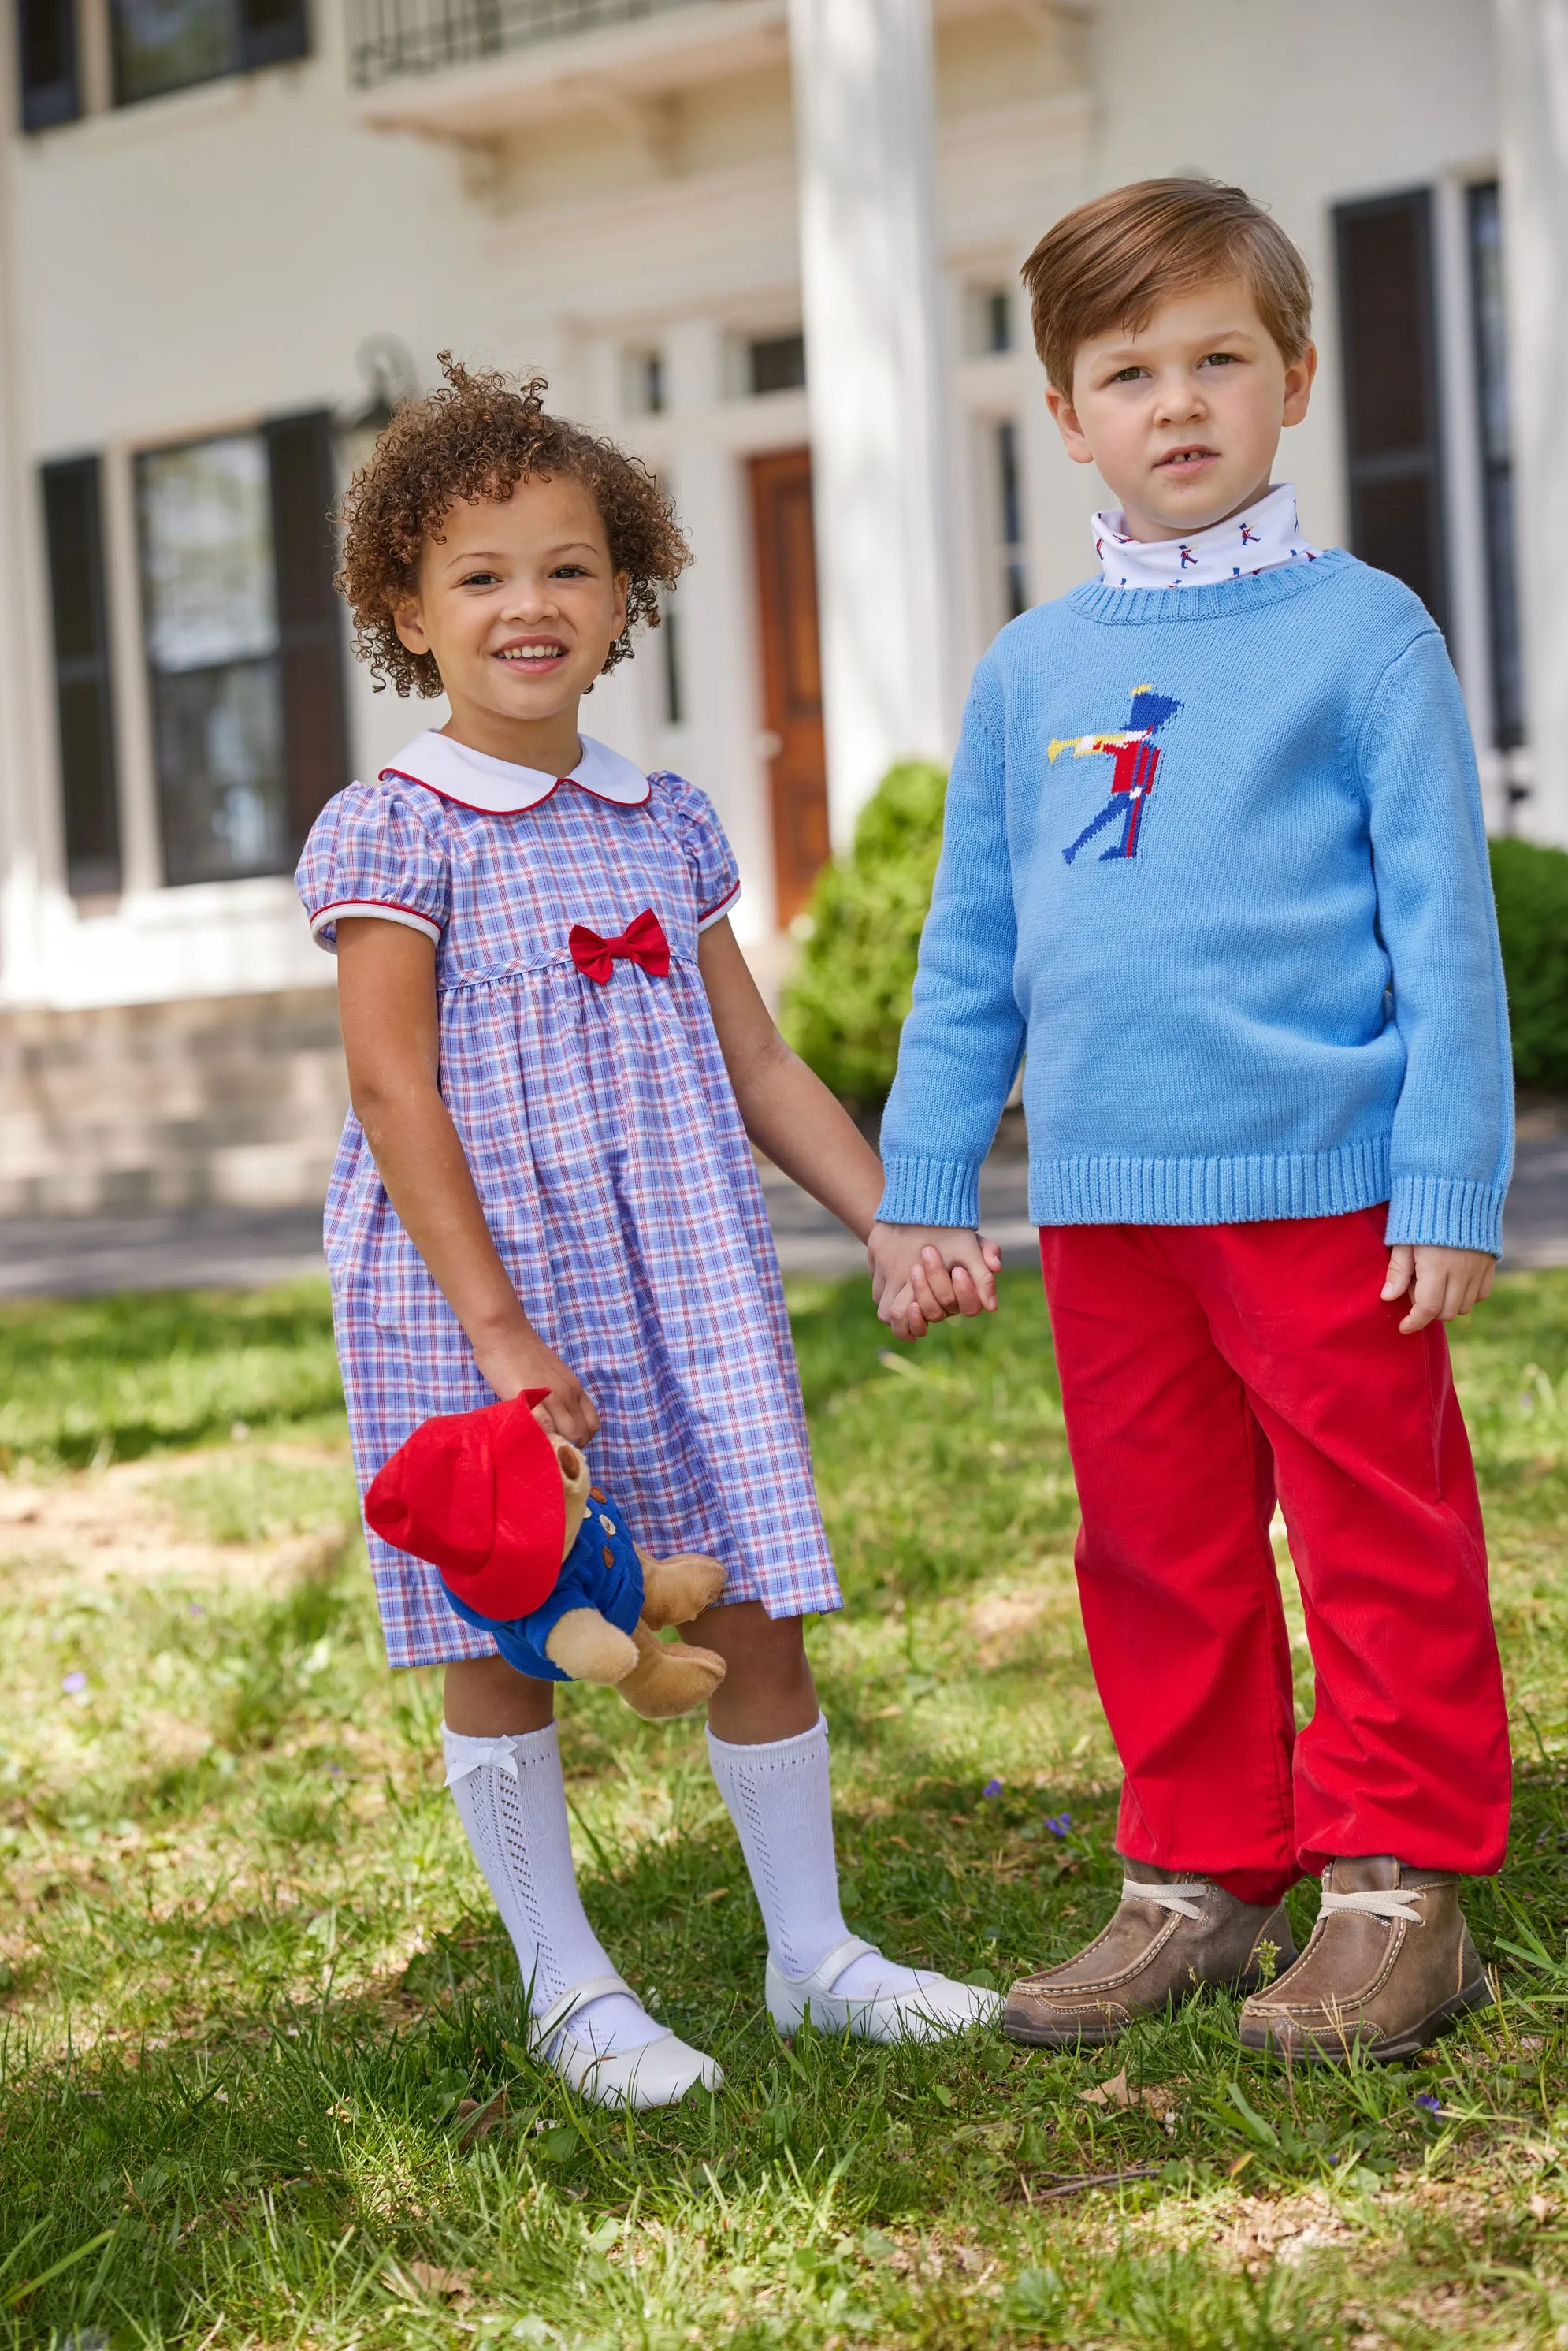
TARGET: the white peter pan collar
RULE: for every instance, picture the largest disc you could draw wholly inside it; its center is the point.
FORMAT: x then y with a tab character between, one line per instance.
1264	535
474	780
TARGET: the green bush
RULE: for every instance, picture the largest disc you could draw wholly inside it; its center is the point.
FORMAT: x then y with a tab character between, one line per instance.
1531	887
850	990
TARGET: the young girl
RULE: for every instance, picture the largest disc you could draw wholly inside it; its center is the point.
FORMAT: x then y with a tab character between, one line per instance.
555	1054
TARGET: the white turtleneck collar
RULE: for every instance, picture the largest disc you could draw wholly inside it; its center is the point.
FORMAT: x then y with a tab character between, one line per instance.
1264	535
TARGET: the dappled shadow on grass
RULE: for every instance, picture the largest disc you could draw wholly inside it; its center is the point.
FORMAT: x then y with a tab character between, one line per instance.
87	1380
284	2159
303	2173
310	2159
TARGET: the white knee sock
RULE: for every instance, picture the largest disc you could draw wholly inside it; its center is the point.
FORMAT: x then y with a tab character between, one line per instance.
511	1800
782	1803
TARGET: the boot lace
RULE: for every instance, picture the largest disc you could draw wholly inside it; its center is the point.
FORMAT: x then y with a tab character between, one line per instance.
1185	1898
1379	1902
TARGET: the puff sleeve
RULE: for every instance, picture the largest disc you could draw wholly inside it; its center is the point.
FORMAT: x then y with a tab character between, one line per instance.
367	854
715	877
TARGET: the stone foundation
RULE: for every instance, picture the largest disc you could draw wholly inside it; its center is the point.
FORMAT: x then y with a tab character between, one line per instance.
232	1100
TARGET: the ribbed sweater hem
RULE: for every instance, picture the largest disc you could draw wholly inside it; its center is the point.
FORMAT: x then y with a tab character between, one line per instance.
1447	1212
1243	1190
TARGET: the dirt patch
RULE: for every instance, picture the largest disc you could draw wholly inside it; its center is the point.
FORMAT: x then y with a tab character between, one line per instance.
1002	1622
105	1526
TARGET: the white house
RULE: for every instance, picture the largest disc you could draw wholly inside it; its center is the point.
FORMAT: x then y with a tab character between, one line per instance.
774	245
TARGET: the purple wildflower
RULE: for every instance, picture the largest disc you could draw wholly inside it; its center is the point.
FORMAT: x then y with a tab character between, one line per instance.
73	1684
1433	2105
992	1788
1059	1822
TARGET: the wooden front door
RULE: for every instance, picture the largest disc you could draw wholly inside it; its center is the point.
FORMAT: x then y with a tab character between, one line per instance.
791	671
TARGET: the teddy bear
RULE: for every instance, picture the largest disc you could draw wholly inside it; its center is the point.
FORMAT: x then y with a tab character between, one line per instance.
532	1553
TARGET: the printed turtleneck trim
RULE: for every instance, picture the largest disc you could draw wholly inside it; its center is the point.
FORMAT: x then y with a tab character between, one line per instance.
1265	534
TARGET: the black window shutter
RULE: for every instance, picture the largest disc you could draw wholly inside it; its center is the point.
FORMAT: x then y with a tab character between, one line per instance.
272	31
1490	325
1393	431
74	530
46	37
309	625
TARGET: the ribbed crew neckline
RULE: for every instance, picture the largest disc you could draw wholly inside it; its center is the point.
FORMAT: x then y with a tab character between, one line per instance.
1223	600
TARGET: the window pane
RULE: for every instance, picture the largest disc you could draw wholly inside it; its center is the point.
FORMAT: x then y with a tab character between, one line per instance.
165	44
220	771
777	364
206	528
211	616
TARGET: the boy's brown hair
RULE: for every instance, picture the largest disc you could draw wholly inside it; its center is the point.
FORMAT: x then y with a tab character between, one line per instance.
1113	261
477	438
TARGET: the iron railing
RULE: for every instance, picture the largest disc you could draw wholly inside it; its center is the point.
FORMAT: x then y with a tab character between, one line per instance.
389	37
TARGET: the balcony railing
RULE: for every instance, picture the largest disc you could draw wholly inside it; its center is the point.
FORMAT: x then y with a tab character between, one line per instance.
417	36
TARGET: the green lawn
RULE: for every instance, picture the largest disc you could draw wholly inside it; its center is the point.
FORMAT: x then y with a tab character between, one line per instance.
262	2082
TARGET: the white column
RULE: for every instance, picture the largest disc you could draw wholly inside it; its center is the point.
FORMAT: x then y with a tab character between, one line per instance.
715	616
881	447
1533	82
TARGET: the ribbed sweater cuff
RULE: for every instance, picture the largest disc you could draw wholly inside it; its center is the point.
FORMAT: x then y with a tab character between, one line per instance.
931	1192
1446	1212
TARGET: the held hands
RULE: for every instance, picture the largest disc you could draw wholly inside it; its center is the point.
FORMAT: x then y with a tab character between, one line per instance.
922	1273
518	1359
1439	1282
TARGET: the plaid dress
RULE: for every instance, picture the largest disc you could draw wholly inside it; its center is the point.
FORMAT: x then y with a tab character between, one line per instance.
608	1153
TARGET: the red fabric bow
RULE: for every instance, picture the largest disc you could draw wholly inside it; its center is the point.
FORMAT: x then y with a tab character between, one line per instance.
641	942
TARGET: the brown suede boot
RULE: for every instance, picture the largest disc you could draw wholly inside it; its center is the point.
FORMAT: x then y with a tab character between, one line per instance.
1172	1935
1389	1966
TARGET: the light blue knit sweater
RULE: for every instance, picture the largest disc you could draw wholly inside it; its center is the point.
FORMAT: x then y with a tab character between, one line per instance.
1216	860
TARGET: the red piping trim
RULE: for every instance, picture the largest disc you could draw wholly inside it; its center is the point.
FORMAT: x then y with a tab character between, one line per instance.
341	906
719	905
528	806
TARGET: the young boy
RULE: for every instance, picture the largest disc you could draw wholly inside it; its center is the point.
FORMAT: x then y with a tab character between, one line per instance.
1215	860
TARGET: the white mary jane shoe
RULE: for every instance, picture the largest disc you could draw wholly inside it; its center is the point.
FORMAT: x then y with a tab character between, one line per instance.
934	2006
658	2075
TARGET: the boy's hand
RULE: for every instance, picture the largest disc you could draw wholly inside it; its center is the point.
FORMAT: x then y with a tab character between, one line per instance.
922	1273
1439	1282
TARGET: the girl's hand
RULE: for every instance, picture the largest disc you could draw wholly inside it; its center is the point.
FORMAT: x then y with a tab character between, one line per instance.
521	1359
920	1274
1439	1282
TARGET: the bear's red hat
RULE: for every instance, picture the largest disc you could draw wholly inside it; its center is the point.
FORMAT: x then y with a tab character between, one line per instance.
479	1494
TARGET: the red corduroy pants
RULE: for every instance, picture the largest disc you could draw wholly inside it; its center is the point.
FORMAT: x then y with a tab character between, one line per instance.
1206	1371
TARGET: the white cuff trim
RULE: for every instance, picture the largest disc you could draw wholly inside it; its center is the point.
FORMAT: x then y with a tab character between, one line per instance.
379	912
717	914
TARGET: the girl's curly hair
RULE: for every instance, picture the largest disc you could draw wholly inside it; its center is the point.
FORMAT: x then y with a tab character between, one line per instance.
477	438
